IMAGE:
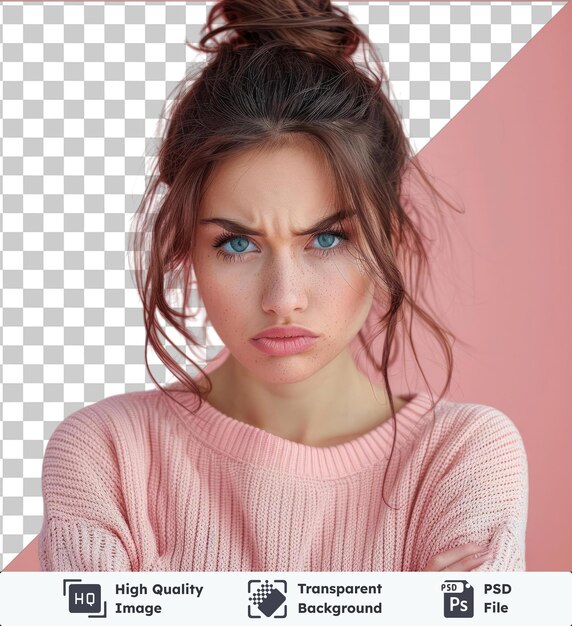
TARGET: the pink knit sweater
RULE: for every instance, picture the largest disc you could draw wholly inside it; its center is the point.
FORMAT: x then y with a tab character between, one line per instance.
129	483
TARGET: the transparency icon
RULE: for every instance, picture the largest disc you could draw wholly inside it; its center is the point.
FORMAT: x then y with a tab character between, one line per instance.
267	598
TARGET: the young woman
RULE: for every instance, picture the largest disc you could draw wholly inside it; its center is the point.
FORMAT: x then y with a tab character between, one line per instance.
282	167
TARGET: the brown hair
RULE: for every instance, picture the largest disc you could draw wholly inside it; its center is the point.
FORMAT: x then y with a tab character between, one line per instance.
285	74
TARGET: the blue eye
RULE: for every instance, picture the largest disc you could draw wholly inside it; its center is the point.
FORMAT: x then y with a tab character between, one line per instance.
329	239
237	247
239	243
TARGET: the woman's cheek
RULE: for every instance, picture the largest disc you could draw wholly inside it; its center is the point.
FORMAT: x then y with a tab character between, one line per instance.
325	277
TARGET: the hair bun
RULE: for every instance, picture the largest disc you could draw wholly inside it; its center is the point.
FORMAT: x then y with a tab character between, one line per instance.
313	25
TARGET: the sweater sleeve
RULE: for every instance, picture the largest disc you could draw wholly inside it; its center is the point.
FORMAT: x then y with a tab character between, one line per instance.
479	492
84	526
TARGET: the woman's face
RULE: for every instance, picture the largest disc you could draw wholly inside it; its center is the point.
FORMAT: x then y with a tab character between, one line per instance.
251	282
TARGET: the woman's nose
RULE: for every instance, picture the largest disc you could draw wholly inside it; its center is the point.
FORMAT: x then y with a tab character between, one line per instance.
284	287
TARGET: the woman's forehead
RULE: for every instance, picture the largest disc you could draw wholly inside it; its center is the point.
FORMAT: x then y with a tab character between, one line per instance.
285	191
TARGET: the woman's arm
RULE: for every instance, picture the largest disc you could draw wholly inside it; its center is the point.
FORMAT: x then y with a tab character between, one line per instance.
84	526
479	492
75	545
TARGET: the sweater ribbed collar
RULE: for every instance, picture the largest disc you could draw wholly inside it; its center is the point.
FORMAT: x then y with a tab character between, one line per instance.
256	446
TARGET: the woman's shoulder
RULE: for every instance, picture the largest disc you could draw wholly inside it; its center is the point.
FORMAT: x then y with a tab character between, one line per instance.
111	416
477	426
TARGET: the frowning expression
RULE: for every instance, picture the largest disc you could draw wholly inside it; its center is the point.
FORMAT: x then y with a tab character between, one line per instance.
271	250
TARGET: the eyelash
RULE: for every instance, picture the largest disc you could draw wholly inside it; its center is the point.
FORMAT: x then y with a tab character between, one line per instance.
239	256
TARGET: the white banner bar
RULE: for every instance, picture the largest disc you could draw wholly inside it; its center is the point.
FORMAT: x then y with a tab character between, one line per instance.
341	598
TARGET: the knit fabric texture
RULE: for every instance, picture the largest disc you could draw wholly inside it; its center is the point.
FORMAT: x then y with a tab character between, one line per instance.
130	483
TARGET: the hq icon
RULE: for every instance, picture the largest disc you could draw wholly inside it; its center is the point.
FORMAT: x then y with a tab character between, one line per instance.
84	598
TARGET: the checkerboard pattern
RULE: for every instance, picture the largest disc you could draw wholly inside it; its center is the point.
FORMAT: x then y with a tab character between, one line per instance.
82	88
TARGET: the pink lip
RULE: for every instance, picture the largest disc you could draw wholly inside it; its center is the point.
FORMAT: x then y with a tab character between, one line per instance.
284	346
284	331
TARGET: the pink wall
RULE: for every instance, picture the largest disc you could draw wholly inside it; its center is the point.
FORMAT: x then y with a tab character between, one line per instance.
508	292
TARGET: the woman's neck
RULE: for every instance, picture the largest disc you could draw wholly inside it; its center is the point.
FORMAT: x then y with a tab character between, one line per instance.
336	404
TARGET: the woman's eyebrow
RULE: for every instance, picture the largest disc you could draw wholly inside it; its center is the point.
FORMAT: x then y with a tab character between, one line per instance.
242	229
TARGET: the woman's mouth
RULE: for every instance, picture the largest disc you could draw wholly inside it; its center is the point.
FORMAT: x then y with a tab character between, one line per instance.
283	346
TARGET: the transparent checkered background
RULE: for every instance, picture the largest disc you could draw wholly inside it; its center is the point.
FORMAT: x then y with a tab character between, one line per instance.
82	88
